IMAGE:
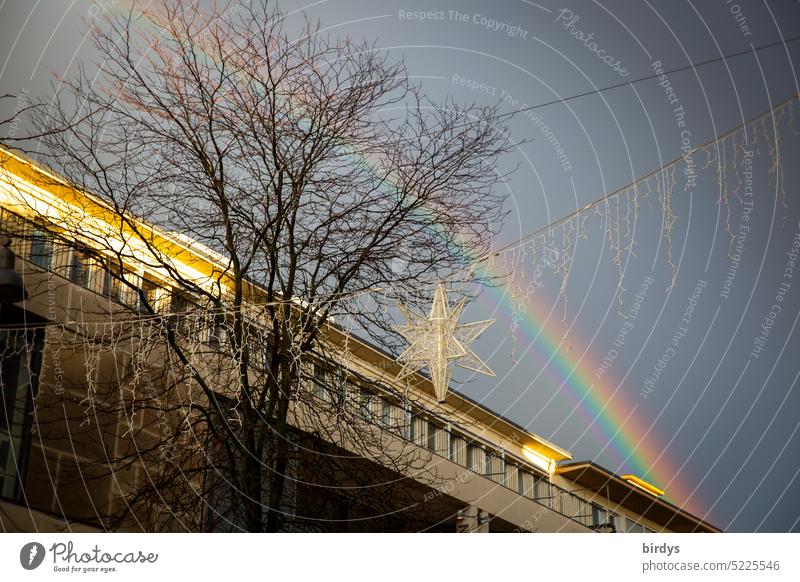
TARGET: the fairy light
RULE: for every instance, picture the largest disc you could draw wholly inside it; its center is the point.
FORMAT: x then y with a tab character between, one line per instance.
519	259
438	340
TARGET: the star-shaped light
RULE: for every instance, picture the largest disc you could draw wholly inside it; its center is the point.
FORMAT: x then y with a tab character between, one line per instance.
438	340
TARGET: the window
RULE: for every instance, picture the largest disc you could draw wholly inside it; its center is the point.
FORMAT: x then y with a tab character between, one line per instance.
258	352
350	393
20	353
512	477
337	386
542	489
600	515
117	289
41	248
501	473
432	430
223	511
185	314
179	304
216	335
318	382
471	457
147	294
494	468
523	478
78	267
12	226
632	526
365	404
386	413
417	431
458	449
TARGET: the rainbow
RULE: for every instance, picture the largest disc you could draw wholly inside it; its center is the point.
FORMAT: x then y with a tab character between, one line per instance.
606	408
609	413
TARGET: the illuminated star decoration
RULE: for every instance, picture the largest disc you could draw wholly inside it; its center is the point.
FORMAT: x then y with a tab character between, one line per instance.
437	340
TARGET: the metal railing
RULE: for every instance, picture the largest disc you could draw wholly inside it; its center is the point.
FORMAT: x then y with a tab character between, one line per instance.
568	504
541	491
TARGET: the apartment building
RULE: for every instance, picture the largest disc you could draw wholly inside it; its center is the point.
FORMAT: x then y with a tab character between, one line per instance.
472	469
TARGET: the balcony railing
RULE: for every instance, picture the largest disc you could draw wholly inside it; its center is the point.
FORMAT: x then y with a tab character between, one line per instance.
392	412
569	505
543	491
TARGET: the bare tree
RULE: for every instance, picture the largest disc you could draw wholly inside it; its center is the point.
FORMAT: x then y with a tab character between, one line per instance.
315	175
9	124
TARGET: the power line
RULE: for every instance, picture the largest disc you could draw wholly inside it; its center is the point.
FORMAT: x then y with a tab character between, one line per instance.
538	232
655	76
563	219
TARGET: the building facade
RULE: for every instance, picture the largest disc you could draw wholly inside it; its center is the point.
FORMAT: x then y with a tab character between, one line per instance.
67	459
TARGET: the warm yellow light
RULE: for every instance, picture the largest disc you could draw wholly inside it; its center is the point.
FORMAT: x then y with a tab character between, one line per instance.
644	485
538	459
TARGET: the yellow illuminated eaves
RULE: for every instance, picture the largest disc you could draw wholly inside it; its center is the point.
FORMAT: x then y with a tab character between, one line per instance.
545	448
31	190
644	485
539	460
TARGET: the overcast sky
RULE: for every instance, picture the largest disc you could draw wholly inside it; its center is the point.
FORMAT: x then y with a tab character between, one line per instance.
699	389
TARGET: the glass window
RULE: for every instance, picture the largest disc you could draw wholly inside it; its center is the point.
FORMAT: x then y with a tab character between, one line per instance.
318	382
179	303
432	430
216	334
146	300
41	248
632	526
599	515
386	413
494	467
418	434
458	449
478	459
185	314
336	385
109	289
350	394
511	476
223	512
78	271
542	490
365	404
115	288
14	227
